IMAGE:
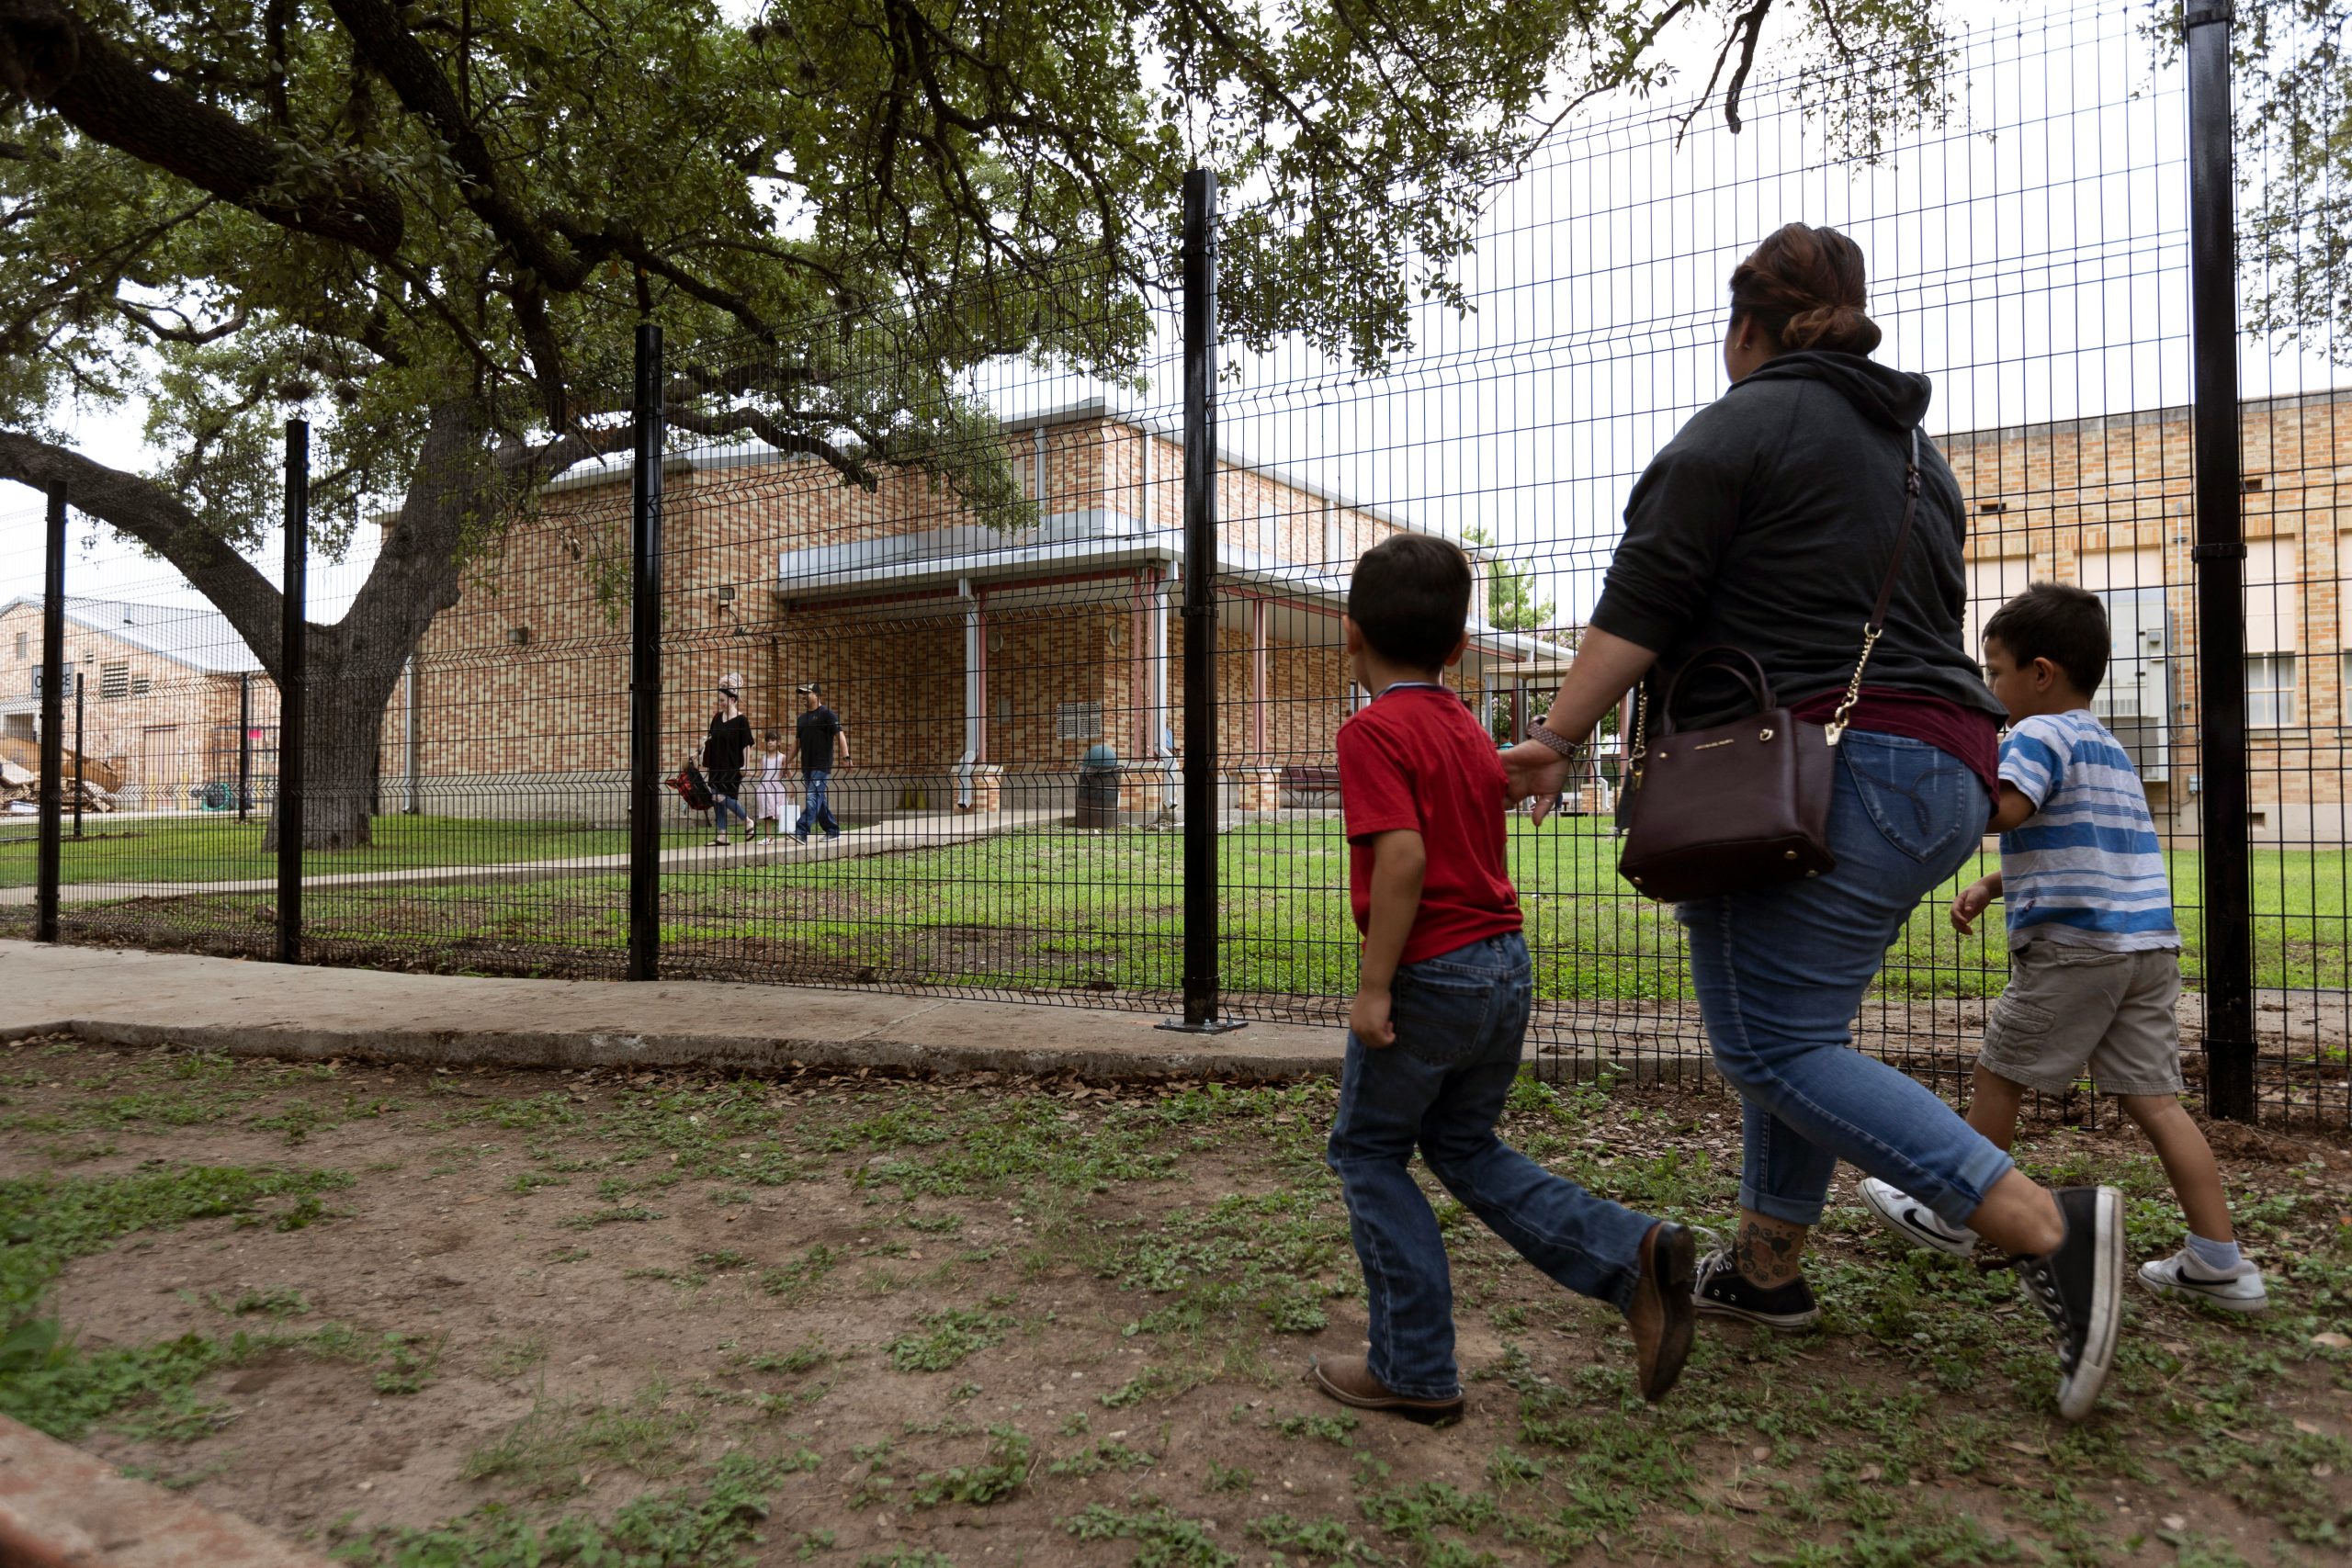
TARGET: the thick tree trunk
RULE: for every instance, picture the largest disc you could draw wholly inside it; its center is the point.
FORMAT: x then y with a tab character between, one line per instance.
356	664
345	728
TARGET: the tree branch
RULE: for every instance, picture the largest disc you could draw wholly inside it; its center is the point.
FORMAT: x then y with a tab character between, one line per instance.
147	511
57	59
392	52
188	331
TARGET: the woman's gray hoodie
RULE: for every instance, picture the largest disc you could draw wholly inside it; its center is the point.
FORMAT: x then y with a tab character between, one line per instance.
1766	523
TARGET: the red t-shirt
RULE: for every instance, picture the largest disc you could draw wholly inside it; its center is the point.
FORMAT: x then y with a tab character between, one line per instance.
1416	759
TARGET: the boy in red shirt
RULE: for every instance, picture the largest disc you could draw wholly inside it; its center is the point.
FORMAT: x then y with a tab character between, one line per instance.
1440	1013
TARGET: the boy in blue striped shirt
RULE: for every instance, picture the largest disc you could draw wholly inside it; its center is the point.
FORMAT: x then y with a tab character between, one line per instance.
2095	958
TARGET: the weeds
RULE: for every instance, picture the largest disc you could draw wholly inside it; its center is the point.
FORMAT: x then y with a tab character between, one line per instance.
952	1335
1163	1538
1004	1472
683	1528
554	1450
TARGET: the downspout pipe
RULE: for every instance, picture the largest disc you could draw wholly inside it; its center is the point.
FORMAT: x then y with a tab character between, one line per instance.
973	677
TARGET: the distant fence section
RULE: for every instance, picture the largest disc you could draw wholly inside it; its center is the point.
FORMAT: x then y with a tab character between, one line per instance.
1041	682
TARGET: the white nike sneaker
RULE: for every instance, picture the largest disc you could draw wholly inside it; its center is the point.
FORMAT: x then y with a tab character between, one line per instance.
1914	1222
2231	1290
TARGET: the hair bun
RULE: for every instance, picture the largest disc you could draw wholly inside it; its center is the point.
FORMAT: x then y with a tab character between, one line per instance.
1807	288
1840	329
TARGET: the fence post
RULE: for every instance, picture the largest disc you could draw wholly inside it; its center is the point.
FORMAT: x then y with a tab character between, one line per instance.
2220	559
645	666
50	866
1199	609
78	695
244	745
293	635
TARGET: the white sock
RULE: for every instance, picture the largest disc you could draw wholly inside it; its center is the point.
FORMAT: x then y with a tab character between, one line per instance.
2221	1257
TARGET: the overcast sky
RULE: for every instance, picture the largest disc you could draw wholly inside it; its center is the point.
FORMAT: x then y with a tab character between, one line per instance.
2028	255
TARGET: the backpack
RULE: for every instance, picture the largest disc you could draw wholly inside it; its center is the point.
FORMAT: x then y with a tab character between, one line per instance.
689	784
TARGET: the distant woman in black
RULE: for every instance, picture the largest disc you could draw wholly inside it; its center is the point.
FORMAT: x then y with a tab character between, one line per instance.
724	753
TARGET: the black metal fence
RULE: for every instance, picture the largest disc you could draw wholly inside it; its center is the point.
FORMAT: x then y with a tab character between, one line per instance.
1080	635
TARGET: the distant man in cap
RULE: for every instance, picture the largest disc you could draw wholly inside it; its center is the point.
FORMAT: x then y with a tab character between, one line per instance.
819	745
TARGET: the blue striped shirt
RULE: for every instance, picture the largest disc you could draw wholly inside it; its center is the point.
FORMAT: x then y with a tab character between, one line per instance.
2087	867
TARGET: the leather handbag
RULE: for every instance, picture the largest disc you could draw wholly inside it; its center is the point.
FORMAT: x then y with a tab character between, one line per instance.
1745	804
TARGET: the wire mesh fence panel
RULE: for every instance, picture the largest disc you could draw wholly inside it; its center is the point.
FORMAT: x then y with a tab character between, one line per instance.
2294	435
920	573
168	747
2027	253
918	658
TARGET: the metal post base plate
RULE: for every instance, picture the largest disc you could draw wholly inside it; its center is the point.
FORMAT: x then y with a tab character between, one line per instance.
1214	1026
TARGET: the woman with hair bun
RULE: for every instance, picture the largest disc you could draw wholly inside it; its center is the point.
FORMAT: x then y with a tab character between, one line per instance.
1769	524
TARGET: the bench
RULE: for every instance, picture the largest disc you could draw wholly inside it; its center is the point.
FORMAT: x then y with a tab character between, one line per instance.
1305	779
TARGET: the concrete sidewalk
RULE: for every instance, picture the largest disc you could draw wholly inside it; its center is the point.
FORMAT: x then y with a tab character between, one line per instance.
62	1508
891	835
254	1009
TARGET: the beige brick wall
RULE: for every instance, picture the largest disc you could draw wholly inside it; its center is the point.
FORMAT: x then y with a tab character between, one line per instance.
173	728
2073	492
557	702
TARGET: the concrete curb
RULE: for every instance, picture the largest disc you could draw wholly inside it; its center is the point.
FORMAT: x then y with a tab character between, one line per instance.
723	1053
130	998
62	1508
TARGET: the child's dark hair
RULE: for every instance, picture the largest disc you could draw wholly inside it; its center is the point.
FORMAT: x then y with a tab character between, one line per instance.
2066	625
1410	596
775	738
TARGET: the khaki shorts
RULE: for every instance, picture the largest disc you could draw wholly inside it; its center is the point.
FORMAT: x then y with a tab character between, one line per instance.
2068	1008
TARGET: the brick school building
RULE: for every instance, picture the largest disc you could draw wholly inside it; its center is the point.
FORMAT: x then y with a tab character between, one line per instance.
2106	505
165	690
973	670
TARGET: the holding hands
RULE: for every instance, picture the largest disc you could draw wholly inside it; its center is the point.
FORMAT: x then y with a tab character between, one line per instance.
1532	768
1972	902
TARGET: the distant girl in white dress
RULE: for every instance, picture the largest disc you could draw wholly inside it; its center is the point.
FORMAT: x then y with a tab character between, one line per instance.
772	799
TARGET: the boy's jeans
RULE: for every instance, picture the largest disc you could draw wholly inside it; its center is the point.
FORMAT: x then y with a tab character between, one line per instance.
1781	974
816	812
1459	1020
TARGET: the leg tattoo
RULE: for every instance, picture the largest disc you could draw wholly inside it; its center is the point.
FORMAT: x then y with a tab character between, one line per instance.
1768	1252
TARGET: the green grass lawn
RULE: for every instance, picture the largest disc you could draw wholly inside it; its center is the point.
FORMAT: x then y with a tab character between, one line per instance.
222	848
1052	909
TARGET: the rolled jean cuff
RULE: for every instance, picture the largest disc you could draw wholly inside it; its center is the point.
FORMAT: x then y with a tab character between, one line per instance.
1951	1202
1788	1211
1954	1200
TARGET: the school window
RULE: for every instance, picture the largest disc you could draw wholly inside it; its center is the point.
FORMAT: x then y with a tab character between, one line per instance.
141	685
1335	544
2271	691
114	679
1078	721
24	646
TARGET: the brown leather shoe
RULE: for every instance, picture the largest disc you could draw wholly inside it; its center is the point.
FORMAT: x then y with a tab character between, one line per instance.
1662	1313
1349	1380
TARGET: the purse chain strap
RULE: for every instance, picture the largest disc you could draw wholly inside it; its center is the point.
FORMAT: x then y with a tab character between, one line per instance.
1876	626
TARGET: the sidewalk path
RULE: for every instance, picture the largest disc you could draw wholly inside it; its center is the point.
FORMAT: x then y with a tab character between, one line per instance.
62	1508
269	1009
891	835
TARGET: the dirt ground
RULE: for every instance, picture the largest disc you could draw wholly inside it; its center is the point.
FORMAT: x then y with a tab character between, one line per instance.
424	1317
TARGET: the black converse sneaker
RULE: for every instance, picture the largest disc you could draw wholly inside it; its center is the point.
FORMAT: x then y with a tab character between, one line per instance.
1721	1292
2080	1288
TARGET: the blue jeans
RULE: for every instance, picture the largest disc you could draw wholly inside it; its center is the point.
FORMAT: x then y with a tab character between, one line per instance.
1781	972
720	804
1459	1020
815	811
